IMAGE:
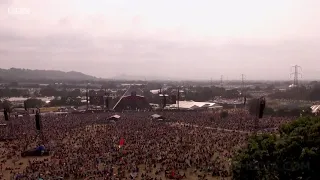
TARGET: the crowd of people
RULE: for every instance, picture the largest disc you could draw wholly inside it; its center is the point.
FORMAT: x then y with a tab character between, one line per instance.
86	146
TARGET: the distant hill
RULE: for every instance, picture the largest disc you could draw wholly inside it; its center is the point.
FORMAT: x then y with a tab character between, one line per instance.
15	74
127	77
141	78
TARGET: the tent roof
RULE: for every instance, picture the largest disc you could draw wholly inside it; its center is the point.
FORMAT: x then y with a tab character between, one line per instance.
115	116
155	91
128	93
315	108
193	104
156	116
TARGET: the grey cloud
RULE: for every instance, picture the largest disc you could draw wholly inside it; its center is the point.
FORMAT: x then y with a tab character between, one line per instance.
109	56
64	21
5	2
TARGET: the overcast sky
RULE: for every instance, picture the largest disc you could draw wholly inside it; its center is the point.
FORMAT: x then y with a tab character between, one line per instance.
185	39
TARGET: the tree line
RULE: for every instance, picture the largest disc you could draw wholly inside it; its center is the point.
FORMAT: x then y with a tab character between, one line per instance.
310	93
293	153
71	97
281	112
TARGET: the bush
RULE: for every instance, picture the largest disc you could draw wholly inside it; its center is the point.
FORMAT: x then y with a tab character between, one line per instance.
292	155
34	103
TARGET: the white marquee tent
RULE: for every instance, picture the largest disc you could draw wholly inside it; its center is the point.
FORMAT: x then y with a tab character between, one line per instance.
193	105
315	108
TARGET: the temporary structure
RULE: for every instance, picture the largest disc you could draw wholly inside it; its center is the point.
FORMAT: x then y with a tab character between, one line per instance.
114	117
157	117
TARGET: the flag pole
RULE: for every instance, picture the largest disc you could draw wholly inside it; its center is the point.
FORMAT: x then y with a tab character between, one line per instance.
178	103
87	98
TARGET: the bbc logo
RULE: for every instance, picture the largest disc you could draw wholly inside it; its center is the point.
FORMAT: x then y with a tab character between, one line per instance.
19	11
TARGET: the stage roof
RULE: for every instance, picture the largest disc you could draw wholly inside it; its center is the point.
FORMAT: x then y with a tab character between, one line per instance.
131	89
128	93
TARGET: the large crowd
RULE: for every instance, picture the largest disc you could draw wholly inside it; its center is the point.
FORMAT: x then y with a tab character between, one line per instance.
188	145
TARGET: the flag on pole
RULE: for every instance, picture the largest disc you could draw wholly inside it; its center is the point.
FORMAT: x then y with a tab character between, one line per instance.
172	173
121	143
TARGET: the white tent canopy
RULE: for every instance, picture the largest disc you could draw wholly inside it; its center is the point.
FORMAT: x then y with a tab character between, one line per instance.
156	116
193	105
114	117
315	108
155	91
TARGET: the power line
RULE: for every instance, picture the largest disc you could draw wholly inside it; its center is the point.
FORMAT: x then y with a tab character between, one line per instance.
296	74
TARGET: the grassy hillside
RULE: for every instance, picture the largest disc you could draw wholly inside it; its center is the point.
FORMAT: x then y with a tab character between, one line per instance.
15	74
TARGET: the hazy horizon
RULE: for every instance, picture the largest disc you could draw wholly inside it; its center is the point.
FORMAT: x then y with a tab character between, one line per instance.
171	39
